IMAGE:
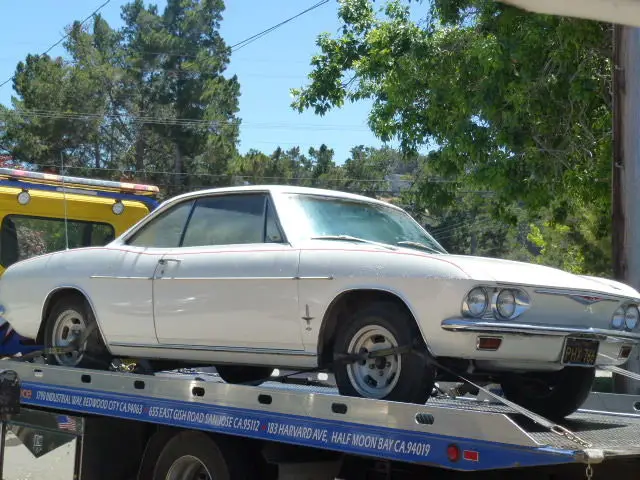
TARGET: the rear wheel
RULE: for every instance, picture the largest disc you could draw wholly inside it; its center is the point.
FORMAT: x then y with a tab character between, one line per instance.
244	375
405	377
68	320
192	455
554	395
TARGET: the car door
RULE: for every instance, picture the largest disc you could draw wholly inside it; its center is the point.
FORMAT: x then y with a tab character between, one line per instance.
232	284
127	285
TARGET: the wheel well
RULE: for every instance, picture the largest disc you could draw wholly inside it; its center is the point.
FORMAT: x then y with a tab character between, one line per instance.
53	298
341	308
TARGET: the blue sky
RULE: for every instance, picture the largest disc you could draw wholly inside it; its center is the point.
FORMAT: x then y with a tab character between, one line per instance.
266	68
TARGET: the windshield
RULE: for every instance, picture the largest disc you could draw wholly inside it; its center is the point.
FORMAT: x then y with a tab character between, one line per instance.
331	216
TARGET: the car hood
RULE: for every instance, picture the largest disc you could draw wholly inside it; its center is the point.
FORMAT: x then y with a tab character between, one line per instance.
508	271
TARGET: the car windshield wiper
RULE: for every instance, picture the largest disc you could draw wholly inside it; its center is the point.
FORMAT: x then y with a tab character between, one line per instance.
422	246
349	238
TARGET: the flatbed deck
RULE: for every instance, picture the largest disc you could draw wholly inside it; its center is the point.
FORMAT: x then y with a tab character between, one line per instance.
487	435
613	431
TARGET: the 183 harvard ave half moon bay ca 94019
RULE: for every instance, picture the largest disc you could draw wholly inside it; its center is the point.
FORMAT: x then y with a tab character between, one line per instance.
257	277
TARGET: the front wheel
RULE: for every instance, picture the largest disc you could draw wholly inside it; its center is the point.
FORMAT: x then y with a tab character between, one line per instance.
402	377
554	395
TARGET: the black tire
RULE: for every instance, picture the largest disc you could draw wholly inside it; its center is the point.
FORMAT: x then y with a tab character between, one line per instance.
95	355
413	381
240	374
222	460
554	395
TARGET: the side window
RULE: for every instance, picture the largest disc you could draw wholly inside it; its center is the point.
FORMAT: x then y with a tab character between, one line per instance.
272	233
23	236
227	220
165	230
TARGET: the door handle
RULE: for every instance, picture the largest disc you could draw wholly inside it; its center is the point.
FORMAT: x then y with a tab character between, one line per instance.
164	261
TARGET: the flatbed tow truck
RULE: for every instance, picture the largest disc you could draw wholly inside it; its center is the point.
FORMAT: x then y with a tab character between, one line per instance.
129	424
191	425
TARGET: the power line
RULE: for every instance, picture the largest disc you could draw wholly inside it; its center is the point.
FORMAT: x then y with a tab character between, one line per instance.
280	178
63	38
234	47
261	34
216	175
186	122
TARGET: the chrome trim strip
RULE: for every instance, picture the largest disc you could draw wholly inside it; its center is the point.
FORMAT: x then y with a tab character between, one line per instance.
458	324
328	277
207	279
179	346
117	277
602	297
243	278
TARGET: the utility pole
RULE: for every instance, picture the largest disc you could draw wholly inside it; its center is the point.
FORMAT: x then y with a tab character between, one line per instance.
626	174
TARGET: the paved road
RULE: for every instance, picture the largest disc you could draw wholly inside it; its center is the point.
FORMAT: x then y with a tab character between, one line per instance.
20	464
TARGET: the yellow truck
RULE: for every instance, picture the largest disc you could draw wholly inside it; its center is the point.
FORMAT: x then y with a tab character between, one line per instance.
42	213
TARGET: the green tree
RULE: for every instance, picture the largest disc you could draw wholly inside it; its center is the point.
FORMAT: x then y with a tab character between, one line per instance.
368	169
36	129
514	102
177	60
150	97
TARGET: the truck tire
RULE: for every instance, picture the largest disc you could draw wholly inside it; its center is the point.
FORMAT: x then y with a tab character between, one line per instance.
407	377
196	455
240	374
553	395
69	317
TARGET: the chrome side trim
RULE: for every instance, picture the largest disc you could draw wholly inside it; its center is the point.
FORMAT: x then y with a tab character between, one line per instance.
118	277
459	324
243	278
328	277
230	279
179	346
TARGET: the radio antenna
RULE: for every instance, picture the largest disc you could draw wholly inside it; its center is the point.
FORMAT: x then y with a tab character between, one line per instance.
64	202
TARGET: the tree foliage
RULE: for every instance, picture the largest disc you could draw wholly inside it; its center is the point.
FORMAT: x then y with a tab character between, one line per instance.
516	103
514	106
150	96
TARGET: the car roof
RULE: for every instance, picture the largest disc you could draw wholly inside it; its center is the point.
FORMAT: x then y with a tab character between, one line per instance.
282	189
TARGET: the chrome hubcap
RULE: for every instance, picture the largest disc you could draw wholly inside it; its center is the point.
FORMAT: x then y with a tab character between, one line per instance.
374	377
188	468
68	327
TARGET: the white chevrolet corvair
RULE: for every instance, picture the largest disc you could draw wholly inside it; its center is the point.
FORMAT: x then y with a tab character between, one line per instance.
252	278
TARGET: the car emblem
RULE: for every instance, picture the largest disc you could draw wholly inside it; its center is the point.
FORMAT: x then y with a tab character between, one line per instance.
582	298
587	299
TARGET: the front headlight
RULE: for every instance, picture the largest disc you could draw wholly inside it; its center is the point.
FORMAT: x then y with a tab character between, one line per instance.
626	317
506	303
502	304
618	319
476	302
631	317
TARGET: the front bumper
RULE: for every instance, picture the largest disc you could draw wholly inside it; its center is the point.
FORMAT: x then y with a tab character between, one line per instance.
502	328
527	346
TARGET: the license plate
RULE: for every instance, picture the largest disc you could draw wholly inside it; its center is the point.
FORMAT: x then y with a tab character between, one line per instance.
580	351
